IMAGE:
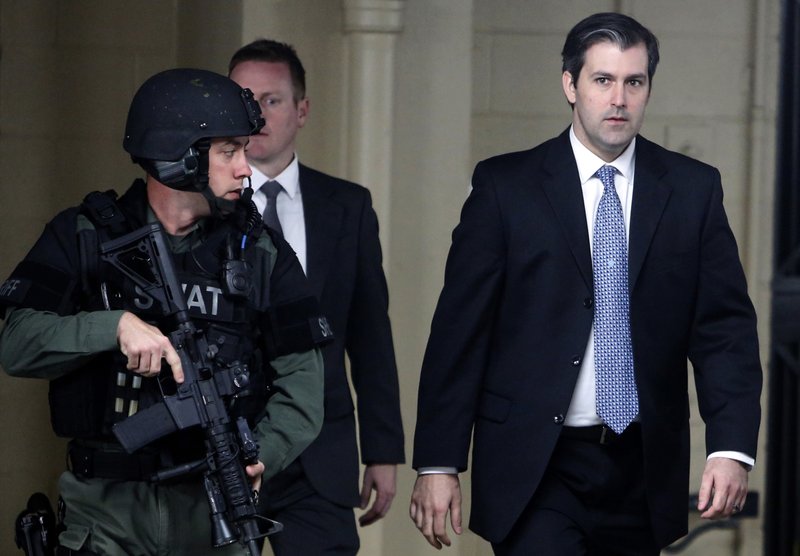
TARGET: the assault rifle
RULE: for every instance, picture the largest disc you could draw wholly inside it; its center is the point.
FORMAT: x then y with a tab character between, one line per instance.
201	400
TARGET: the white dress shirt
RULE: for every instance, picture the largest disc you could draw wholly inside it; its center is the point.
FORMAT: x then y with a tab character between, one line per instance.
289	205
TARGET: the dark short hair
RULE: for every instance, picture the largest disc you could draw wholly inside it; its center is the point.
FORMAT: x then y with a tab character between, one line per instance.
618	29
265	50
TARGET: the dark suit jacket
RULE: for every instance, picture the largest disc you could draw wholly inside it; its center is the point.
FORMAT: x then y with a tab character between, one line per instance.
514	317
343	263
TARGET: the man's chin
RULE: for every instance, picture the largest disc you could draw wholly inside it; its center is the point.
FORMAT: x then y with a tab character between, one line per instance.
619	140
257	150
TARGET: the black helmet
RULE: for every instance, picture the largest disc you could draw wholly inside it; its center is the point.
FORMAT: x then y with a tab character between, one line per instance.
175	113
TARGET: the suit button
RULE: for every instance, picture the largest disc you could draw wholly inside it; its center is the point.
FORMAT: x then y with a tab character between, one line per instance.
576	361
588	302
558	419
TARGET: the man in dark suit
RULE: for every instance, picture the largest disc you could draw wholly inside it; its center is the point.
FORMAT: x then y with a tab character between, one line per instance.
581	277
331	225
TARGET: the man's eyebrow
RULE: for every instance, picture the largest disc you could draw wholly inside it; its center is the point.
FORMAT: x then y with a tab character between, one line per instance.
601	73
232	141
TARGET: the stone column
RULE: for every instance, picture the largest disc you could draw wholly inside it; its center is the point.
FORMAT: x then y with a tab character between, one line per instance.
371	28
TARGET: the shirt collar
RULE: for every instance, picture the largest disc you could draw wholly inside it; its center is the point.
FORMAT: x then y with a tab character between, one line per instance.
289	178
589	163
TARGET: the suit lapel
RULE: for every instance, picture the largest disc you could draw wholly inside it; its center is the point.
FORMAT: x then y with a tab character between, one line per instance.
323	217
562	186
650	195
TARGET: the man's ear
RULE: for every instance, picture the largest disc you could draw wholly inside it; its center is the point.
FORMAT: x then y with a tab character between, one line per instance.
568	84
303	108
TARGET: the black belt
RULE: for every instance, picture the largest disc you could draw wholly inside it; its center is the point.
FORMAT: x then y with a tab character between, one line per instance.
597	434
89	462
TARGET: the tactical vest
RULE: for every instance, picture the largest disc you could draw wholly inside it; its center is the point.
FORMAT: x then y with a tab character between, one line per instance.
87	402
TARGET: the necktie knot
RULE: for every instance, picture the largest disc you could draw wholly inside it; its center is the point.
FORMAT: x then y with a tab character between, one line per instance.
271	188
606	174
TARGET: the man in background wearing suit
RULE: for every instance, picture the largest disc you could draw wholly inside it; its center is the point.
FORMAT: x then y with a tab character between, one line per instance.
331	225
583	274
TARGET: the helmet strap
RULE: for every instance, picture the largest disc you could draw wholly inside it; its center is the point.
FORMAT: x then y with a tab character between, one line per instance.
220	208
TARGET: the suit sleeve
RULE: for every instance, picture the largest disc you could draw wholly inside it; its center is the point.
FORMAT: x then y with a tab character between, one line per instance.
724	342
371	351
462	331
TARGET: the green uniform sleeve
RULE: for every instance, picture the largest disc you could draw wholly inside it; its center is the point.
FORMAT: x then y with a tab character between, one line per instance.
295	411
41	344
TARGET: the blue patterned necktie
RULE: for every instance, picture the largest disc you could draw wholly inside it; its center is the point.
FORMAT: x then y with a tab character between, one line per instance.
271	189
616	398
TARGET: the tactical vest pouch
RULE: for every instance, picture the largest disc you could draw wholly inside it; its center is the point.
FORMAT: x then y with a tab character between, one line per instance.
75	411
78	400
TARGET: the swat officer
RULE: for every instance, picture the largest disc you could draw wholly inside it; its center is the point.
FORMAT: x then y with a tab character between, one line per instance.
72	318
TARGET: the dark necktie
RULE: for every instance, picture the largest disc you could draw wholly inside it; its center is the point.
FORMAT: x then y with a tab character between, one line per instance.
616	397
271	189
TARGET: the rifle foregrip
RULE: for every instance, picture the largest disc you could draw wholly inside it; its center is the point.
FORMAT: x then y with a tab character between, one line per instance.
233	480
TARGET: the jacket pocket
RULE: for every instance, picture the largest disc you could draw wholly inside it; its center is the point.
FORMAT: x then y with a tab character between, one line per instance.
494	407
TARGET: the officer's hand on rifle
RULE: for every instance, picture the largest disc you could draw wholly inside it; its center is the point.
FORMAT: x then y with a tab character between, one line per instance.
144	345
254	473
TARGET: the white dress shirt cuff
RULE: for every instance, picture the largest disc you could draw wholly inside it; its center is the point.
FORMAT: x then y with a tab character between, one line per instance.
738	456
437	471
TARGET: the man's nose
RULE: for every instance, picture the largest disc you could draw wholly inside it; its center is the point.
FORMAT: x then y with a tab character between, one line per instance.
619	95
243	169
